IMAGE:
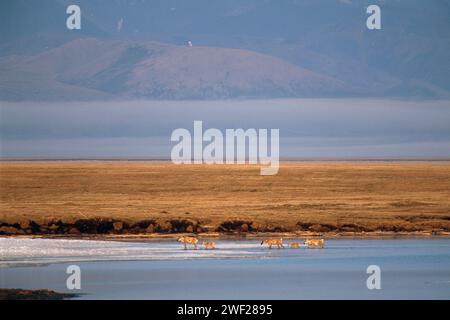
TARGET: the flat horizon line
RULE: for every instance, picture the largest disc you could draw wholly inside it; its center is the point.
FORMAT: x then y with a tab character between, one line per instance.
415	159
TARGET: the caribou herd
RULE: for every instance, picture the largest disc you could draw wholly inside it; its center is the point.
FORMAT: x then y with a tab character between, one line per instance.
209	245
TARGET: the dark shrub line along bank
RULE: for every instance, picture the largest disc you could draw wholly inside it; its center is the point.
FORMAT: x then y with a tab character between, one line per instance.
101	226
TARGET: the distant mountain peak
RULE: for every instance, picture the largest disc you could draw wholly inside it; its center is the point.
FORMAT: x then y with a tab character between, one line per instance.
136	69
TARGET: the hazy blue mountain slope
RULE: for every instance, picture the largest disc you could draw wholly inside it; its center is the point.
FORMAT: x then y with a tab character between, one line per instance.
124	69
408	57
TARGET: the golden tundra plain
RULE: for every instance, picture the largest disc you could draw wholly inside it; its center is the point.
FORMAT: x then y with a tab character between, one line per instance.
309	196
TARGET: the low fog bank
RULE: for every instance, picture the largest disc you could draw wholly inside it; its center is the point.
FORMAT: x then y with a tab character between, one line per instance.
309	128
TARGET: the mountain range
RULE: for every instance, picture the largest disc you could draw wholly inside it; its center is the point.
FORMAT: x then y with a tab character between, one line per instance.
223	49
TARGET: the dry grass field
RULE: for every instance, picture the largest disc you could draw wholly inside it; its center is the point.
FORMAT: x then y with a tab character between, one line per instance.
314	196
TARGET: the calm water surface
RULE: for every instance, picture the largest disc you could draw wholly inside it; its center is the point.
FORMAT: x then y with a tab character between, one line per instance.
410	269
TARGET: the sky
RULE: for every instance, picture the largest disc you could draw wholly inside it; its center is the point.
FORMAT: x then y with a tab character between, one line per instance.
398	77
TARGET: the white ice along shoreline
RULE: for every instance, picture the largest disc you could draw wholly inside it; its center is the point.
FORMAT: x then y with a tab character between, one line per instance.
35	251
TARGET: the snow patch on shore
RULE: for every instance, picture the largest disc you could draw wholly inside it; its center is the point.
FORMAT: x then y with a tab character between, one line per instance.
15	251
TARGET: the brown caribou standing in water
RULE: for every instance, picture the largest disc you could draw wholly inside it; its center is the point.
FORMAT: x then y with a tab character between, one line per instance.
273	242
315	243
188	240
208	245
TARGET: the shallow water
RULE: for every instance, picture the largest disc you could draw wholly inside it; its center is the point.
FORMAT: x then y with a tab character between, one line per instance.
410	269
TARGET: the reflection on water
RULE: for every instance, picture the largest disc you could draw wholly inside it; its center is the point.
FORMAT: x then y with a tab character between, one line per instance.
411	269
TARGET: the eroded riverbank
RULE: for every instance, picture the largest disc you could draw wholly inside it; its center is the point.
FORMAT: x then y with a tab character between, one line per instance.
158	198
